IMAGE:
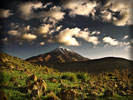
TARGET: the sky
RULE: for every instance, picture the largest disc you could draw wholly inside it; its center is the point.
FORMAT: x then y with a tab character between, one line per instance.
92	28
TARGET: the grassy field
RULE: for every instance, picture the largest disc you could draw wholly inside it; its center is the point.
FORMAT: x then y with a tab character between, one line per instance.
116	85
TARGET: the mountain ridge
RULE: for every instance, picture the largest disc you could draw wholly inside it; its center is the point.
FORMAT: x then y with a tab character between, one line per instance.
57	55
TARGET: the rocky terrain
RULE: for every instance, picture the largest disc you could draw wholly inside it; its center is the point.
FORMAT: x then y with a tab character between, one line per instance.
21	80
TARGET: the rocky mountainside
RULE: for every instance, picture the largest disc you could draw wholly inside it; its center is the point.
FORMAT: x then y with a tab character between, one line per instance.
58	55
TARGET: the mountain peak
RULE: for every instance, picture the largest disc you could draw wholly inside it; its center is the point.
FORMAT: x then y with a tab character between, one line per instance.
58	55
62	49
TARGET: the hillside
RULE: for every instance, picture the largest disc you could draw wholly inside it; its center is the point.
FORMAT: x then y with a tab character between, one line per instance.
21	80
95	66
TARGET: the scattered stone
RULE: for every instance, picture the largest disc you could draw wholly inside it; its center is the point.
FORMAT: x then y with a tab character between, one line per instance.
11	67
52	96
36	87
122	93
108	93
3	96
12	79
16	84
90	99
68	95
33	98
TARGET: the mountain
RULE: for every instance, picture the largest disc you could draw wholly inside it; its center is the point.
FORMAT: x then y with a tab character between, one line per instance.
65	59
58	55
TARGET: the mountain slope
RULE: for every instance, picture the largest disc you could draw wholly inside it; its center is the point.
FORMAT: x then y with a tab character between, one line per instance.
58	55
96	65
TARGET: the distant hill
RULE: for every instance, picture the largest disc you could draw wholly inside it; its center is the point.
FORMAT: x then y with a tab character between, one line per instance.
58	55
97	65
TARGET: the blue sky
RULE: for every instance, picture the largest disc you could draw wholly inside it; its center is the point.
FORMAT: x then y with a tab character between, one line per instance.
93	29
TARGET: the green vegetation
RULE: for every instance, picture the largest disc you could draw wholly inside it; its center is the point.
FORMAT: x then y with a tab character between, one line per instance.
20	80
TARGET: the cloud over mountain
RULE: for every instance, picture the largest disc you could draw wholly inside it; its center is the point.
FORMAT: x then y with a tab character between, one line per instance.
69	37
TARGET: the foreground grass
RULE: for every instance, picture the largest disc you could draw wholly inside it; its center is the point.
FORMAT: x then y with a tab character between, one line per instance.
117	85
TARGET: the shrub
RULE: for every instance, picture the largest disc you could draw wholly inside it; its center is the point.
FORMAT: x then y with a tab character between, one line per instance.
82	76
69	76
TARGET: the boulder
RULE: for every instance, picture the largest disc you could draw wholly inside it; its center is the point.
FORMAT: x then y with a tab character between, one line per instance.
68	94
36	87
108	93
52	96
3	96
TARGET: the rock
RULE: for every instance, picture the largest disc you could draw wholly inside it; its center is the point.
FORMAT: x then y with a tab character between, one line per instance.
68	95
16	84
36	87
53	79
3	96
11	67
122	93
90	99
31	79
12	79
52	96
108	93
33	98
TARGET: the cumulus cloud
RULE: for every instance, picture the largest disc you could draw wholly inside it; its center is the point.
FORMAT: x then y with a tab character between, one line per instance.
44	29
106	16
5	13
13	32
125	37
95	33
80	7
29	36
66	37
27	10
58	28
26	28
110	41
42	43
5	39
69	37
124	8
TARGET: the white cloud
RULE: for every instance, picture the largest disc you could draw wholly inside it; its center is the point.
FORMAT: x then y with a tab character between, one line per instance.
95	33
93	40
27	11
122	6
110	41
66	36
44	29
69	37
125	37
5	13
26	28
29	36
106	16
5	39
58	28
80	7
42	43
13	32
